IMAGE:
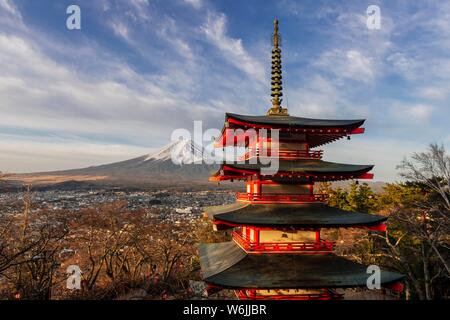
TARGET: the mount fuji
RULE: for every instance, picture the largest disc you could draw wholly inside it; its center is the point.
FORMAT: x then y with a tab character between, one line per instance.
180	159
181	162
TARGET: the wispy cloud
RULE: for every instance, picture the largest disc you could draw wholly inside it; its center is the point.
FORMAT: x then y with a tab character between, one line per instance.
434	93
120	29
10	16
385	153
170	32
197	4
415	113
290	7
141	9
350	64
106	100
31	154
40	94
232	48
9	6
420	112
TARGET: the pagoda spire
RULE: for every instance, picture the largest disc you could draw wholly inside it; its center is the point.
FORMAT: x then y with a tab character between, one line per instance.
276	77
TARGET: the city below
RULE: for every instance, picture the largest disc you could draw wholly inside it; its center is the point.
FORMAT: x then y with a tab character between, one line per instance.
166	205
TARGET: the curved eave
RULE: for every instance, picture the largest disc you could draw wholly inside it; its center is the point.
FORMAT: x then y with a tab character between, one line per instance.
320	131
228	266
300	216
292	122
317	170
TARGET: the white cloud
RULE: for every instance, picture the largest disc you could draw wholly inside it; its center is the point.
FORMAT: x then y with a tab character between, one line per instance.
232	49
315	98
383	152
42	154
135	11
421	112
350	64
407	113
291	7
104	99
39	94
120	29
318	97
10	16
169	32
8	6
105	5
359	66
140	3
141	8
404	65
434	93
197	4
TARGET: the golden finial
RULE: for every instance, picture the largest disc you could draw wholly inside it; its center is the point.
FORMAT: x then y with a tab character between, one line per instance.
275	33
277	88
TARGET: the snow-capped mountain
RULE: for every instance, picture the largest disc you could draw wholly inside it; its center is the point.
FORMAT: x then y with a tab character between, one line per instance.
183	151
180	160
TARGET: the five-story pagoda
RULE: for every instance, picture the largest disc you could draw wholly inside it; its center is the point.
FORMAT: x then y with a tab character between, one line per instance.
277	251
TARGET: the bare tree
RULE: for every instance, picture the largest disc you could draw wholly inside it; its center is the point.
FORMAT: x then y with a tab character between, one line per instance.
29	248
417	241
432	169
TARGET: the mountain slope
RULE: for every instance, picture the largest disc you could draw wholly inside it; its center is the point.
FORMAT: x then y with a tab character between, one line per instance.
179	160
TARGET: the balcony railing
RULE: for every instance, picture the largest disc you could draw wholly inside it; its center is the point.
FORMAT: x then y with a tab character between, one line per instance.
280	198
283	154
246	244
253	295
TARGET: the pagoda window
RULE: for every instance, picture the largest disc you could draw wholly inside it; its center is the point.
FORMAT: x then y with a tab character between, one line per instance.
289	145
253	186
289	294
249	234
254	239
278	188
283	148
287	236
253	235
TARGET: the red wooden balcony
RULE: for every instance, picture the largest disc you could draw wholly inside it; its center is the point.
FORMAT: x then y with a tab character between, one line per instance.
283	154
267	247
325	295
280	198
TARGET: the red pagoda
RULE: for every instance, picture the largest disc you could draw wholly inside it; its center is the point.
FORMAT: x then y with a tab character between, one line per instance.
277	250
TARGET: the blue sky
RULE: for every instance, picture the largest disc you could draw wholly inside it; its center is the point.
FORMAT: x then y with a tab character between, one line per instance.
139	69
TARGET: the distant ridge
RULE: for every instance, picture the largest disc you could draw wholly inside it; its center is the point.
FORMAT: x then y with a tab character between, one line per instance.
179	162
181	159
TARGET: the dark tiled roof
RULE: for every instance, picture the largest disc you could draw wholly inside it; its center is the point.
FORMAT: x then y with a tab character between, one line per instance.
305	166
288	121
228	266
306	215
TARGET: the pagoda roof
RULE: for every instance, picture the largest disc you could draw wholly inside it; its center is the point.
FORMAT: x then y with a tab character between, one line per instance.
229	266
319	131
290	121
302	167
304	215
